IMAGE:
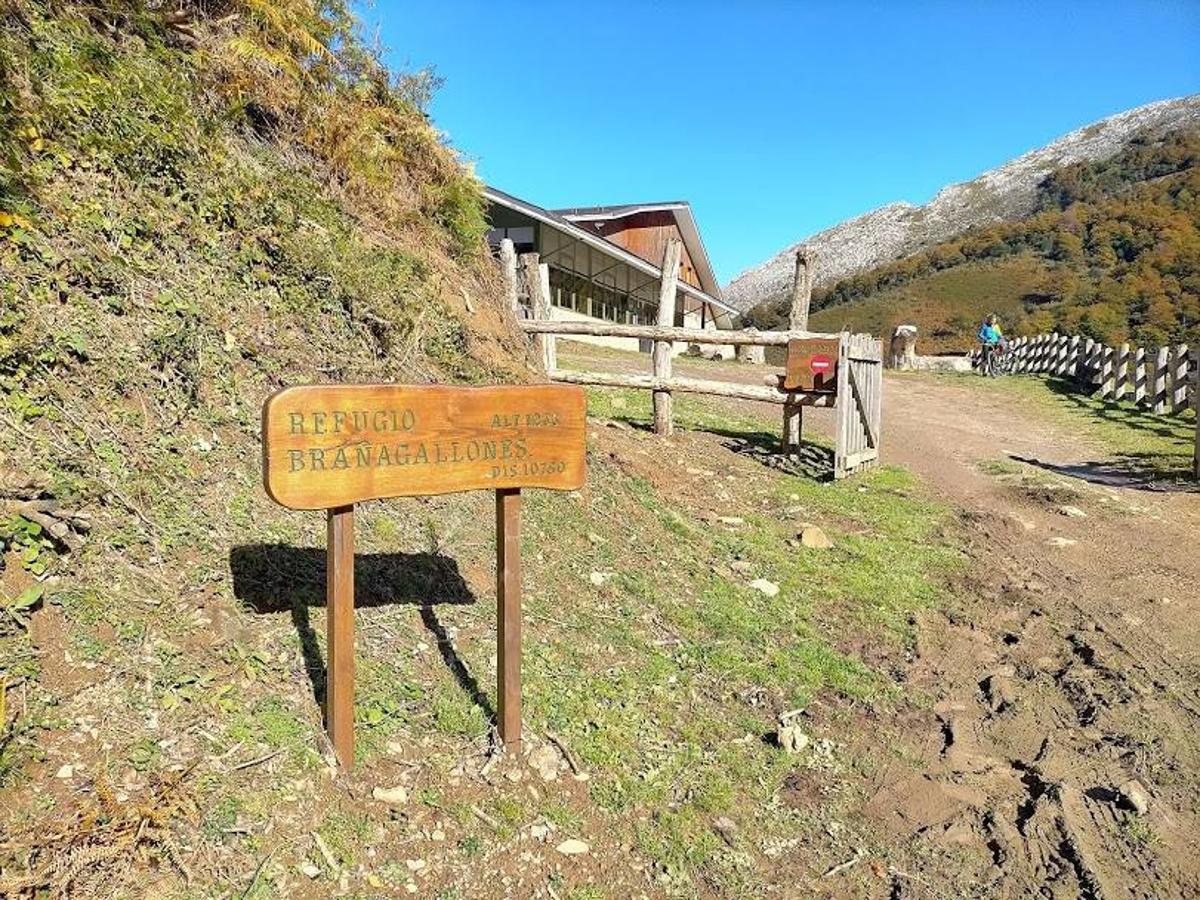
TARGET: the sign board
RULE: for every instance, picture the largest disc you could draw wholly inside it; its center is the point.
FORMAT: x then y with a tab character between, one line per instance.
331	446
812	365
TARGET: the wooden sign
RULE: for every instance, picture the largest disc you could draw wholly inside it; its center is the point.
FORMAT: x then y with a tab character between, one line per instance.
331	446
812	365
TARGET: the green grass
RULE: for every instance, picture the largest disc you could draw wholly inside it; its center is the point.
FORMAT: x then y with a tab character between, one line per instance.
1157	445
647	684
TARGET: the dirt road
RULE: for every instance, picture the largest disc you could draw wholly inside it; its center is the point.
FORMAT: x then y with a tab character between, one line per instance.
1067	685
1060	755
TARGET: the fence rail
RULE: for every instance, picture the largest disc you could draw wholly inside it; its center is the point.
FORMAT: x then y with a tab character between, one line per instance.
858	400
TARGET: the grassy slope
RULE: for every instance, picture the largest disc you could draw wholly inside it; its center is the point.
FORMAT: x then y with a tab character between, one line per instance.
166	267
946	306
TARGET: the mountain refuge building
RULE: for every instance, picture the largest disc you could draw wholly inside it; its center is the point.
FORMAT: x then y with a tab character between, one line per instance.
605	263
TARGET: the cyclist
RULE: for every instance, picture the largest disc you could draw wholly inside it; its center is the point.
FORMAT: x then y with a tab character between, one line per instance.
993	343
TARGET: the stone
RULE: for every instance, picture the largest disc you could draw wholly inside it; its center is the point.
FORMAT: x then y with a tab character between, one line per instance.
727	829
394	796
741	567
1072	512
769	588
731	520
792	738
573	847
312	870
544	760
814	538
414	865
1134	796
1061	542
599	578
65	772
538	832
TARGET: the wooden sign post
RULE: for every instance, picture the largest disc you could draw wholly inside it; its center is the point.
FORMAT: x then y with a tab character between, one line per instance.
331	446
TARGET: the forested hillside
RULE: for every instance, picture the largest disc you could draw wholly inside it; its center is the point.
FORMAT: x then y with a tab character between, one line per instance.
1113	252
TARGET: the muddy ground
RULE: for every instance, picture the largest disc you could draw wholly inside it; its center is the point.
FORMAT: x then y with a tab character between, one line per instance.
1065	678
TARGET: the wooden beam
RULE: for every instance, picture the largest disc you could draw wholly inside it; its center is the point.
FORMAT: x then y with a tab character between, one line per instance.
860	405
656	333
508	617
662	348
508	270
692	386
339	630
801	290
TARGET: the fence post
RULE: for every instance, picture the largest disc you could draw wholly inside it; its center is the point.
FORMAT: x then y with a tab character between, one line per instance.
1083	371
1196	406
1179	378
1139	376
1072	357
801	290
1122	382
539	303
662	349
1158	401
1107	355
508	270
793	415
549	341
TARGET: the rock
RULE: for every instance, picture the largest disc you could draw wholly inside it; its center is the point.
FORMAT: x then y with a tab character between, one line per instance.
312	870
414	865
792	738
814	538
1134	796
599	578
741	567
731	520
727	829
1072	512
573	847
538	832
769	588
65	772
1061	542
544	759
395	796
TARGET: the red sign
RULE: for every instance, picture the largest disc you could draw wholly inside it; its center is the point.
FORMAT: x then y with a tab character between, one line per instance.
821	364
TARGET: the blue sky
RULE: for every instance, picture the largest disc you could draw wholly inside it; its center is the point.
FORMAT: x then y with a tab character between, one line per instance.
775	120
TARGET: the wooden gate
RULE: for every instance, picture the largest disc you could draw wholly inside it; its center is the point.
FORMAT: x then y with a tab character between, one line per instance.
859	404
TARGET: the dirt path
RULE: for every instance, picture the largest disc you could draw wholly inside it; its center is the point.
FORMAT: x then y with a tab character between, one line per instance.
1069	678
1065	682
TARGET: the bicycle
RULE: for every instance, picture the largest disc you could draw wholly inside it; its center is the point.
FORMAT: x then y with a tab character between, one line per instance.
993	361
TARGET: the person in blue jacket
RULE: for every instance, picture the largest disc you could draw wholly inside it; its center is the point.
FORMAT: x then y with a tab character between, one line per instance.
990	334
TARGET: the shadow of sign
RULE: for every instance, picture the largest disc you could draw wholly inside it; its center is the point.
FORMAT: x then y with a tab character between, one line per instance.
274	578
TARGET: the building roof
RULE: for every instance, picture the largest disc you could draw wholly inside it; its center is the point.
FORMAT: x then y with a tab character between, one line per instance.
681	210
563	220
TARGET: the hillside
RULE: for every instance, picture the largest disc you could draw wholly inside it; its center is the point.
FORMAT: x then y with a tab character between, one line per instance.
1003	194
202	206
1113	252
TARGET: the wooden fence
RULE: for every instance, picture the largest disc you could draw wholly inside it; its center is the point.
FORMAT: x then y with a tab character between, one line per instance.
858	400
1162	380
